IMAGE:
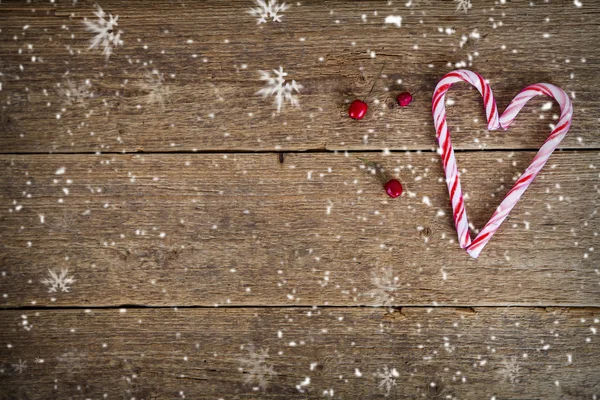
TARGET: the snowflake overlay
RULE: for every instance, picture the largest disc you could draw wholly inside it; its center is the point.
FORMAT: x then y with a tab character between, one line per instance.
158	92
20	366
278	87
386	284
510	369
75	95
71	363
106	34
463	5
388	379
265	10
57	280
256	368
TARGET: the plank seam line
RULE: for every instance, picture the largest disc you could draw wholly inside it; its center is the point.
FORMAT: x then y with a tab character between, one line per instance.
398	307
309	151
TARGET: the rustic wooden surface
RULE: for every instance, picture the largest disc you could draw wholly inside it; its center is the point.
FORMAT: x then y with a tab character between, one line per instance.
436	353
229	263
247	229
209	101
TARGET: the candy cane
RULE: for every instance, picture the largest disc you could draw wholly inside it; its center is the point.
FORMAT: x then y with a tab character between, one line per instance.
494	122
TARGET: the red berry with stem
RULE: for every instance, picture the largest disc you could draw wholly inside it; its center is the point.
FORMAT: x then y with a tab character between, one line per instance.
358	108
393	187
404	99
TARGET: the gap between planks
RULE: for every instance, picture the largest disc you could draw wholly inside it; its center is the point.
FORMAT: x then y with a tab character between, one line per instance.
280	306
308	151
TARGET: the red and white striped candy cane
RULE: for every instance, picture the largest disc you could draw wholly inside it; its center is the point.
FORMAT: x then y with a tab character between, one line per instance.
494	122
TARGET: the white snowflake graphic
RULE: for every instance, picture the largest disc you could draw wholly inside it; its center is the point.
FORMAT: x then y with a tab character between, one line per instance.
386	284
106	34
57	280
387	379
277	86
72	362
20	366
463	5
158	92
510	369
256	368
268	10
74	94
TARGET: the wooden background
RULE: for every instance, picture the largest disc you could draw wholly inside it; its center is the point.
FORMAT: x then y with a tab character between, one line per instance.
222	250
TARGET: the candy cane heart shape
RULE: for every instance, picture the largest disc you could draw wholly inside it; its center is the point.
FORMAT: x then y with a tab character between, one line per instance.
494	122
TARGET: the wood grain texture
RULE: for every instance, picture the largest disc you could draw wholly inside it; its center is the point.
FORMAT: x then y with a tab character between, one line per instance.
208	55
218	273
317	229
438	353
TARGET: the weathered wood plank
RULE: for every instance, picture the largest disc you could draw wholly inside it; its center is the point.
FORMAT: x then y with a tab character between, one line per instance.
207	56
438	353
192	229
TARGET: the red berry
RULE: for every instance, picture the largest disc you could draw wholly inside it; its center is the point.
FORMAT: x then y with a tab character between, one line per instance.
393	187
404	99
358	109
